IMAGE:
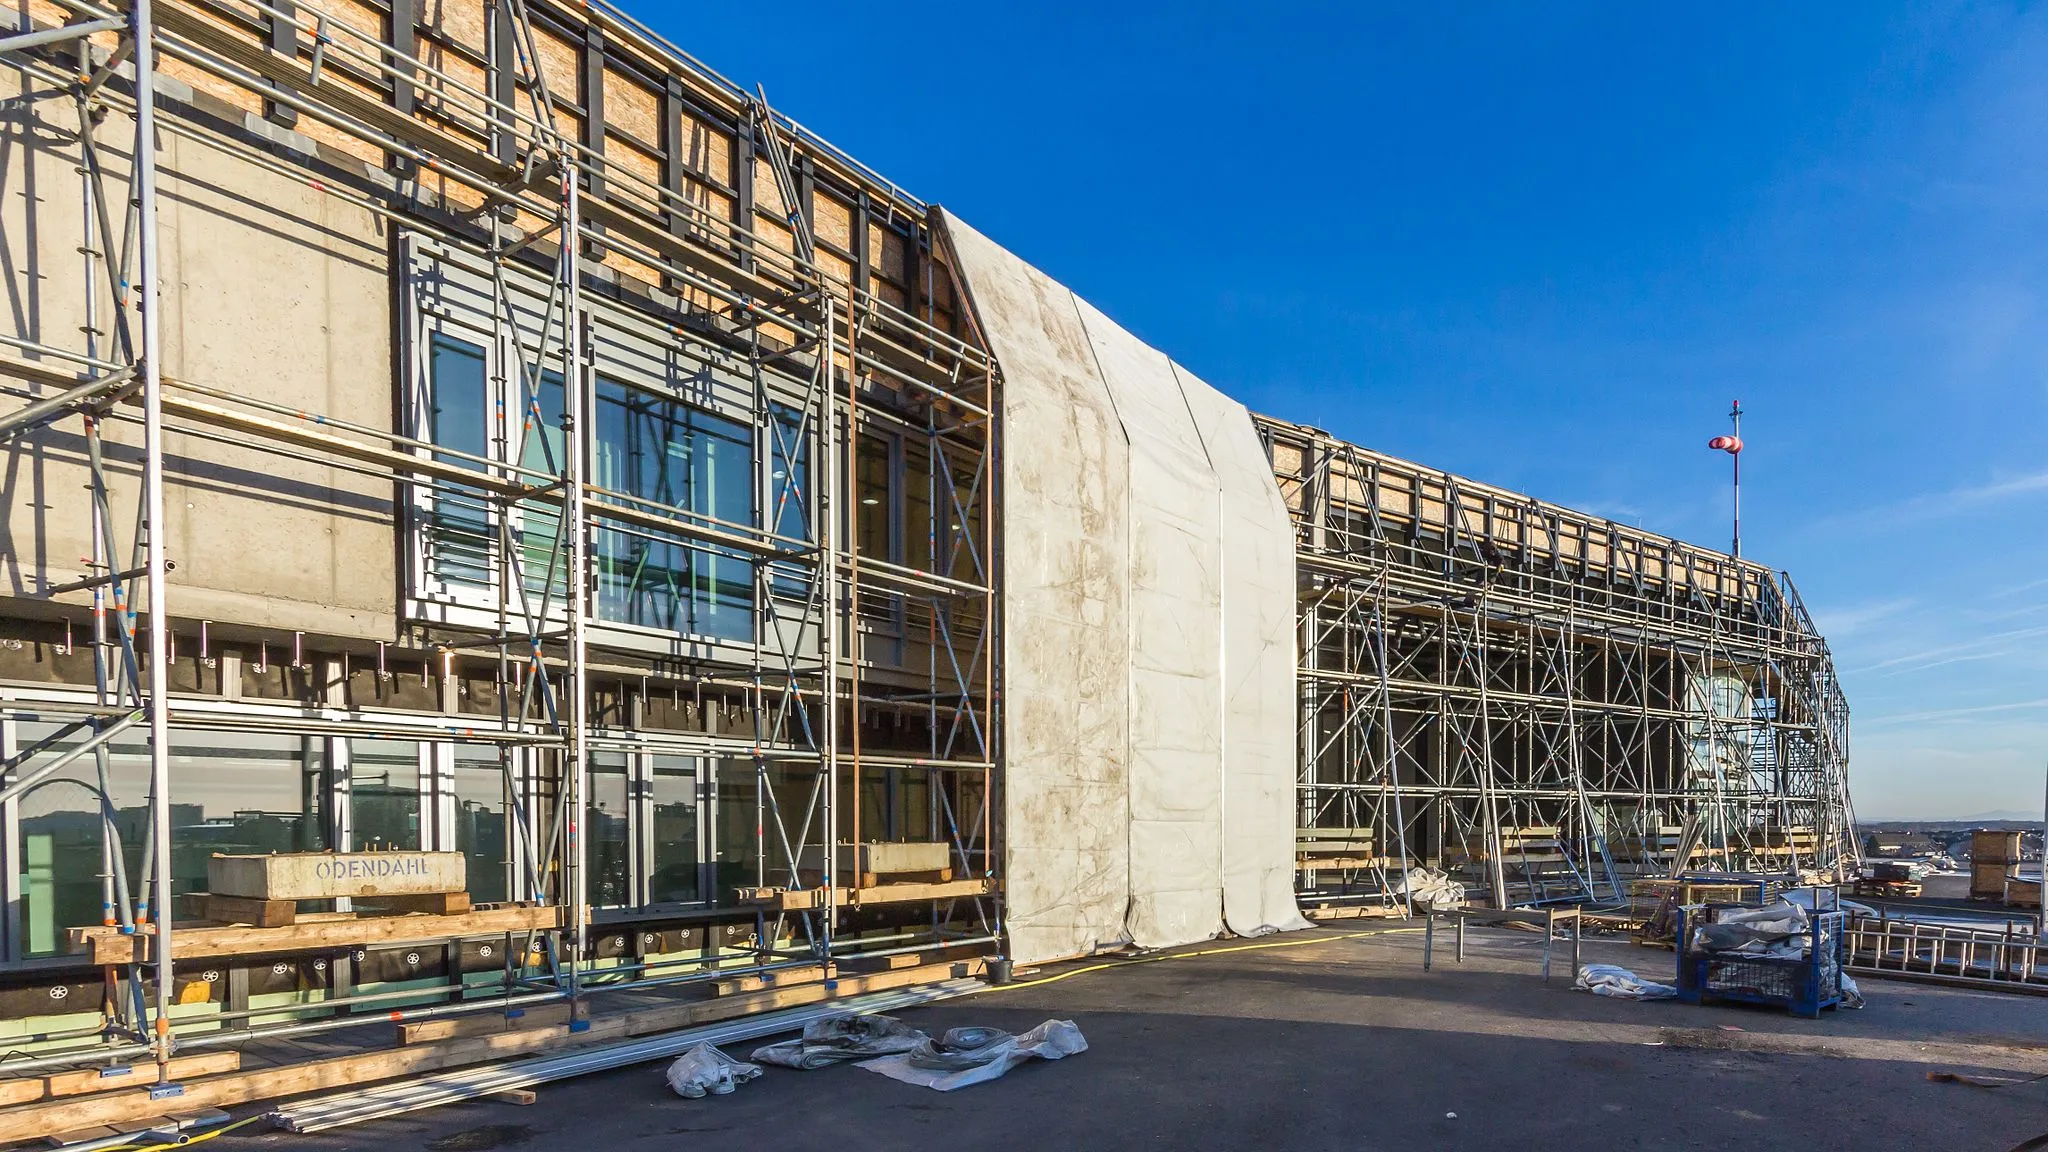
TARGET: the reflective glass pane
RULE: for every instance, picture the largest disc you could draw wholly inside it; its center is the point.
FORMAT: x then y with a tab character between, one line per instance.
673	876
738	828
606	826
458	528
481	822
384	795
238	793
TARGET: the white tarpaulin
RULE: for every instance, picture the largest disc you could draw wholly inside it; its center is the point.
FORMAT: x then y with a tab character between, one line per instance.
1176	648
1258	669
1148	644
1066	664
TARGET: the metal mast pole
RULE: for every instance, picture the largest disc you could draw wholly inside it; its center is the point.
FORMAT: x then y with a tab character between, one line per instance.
1735	414
149	276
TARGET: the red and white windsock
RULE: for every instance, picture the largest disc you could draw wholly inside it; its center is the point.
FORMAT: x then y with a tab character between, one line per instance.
1732	445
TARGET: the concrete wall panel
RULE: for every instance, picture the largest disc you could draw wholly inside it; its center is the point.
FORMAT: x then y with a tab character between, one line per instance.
271	290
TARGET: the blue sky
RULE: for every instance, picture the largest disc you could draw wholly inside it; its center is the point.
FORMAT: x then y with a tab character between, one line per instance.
1545	245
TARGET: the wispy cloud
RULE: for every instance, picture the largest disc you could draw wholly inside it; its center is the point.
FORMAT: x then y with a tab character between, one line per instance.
1929	505
1836	623
1927	657
1938	714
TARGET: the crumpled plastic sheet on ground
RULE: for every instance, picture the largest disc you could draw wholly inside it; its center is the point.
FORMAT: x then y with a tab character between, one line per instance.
965	1056
706	1071
1614	980
1852	996
840	1037
1427	888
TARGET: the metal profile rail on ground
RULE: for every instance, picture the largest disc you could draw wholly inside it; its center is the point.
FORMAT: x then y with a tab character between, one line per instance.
397	1099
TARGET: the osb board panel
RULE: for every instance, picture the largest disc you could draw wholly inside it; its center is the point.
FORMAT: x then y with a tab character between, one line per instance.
707	150
770	234
834	267
461	21
350	14
336	138
626	265
889	293
561	63
767	193
715	205
889	254
210	84
832	221
632	110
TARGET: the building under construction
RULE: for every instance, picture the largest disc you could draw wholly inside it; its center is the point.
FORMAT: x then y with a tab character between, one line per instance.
481	430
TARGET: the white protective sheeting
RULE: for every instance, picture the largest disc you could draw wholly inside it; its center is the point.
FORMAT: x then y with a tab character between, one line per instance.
1147	590
1176	634
1258	669
1065	574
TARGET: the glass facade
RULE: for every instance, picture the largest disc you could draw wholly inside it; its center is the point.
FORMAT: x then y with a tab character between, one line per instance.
607	825
674	858
458	529
651	822
238	793
383	795
658	449
482	821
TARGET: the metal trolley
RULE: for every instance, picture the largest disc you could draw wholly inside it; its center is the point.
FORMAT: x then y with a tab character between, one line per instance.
1803	985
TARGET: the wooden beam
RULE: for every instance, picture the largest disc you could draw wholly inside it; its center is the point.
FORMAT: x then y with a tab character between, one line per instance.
50	1117
800	899
110	946
482	1023
80	1082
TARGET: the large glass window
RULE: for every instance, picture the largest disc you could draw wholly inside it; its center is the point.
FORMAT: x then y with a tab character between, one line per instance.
672	874
657	449
384	795
458	417
737	829
480	822
541	449
606	830
238	793
789	491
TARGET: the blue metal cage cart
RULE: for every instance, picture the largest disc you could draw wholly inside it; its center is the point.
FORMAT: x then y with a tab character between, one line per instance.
1803	985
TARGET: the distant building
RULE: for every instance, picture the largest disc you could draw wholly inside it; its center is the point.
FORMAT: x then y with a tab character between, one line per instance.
1899	844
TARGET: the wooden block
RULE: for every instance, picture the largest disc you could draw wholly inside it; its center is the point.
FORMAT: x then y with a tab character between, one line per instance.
519	1096
780	978
244	910
933	876
431	903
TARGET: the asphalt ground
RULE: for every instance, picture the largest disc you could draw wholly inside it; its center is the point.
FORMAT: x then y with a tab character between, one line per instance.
1333	1041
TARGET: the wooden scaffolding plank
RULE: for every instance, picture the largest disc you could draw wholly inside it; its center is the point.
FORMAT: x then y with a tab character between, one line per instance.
108	1108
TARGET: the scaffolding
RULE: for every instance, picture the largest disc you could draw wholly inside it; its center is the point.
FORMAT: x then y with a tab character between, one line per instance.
1543	704
862	693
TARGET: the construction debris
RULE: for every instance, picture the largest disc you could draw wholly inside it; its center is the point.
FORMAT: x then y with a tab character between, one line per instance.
841	1037
965	1056
1616	981
706	1071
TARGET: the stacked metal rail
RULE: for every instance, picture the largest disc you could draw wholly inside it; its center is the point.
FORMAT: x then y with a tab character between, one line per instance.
1541	702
